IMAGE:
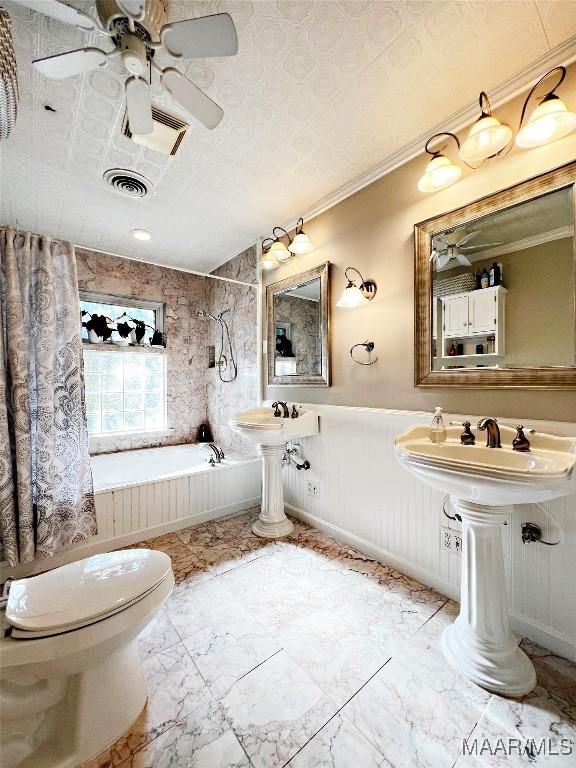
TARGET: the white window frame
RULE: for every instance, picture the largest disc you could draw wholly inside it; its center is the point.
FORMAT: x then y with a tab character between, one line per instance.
158	307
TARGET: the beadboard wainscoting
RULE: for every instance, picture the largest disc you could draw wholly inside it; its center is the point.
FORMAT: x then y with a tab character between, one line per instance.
145	510
368	500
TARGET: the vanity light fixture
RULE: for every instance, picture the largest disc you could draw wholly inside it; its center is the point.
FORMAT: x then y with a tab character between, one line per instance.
141	234
550	120
488	137
440	171
356	295
276	252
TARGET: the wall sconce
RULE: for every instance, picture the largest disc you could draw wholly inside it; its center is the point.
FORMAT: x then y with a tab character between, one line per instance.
356	295
489	138
550	120
275	251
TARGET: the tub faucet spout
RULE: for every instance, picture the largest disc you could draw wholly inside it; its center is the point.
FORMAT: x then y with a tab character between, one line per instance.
218	453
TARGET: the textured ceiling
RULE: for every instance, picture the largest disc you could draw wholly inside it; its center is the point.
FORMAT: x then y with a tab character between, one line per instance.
319	93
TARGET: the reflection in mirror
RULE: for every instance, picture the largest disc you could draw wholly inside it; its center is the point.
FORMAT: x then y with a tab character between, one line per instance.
503	288
297	330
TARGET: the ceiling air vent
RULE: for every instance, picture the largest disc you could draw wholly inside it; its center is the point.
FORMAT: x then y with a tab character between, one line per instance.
128	182
167	134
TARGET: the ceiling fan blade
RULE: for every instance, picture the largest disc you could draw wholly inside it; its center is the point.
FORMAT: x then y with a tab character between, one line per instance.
189	96
134	8
201	37
71	63
139	106
462	260
466	238
480	245
443	259
61	12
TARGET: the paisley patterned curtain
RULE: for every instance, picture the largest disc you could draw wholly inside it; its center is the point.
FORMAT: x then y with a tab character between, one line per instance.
46	495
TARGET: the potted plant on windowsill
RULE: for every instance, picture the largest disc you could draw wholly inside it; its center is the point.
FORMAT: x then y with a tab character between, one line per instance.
98	328
121	334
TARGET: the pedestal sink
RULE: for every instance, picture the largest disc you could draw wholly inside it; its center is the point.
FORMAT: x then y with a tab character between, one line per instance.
482	482
270	434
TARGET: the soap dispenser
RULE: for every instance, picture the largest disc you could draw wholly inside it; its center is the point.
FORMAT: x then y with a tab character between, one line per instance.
438	432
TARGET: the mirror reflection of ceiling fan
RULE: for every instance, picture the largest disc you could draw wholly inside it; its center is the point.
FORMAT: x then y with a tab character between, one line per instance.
138	29
451	246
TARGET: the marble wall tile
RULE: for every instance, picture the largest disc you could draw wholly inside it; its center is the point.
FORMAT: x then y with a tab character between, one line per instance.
194	391
304	316
182	294
224	399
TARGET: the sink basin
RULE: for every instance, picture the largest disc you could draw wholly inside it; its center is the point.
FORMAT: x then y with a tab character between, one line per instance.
260	426
482	482
494	476
270	434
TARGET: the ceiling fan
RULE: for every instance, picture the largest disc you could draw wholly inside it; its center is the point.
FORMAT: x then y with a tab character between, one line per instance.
452	246
139	28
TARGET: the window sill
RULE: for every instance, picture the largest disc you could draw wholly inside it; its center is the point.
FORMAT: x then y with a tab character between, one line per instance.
133	433
110	347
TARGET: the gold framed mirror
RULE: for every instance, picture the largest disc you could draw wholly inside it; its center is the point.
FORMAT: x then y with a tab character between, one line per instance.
298	329
495	289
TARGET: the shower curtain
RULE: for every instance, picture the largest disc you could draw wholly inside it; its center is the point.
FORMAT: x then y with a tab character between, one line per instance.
46	495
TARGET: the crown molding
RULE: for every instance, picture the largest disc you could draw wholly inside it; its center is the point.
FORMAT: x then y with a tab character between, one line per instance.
522	81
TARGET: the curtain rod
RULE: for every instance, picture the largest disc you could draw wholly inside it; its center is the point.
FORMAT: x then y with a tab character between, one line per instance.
132	258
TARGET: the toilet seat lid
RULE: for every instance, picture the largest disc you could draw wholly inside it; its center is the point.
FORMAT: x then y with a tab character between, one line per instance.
85	590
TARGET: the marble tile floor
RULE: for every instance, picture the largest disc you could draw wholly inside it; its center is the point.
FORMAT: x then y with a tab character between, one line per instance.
305	653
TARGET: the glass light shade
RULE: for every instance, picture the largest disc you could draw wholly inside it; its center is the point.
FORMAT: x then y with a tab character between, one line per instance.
440	172
550	120
486	138
141	234
268	262
301	244
352	297
279	251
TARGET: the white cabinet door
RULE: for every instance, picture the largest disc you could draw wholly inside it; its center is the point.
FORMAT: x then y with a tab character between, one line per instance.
456	316
482	312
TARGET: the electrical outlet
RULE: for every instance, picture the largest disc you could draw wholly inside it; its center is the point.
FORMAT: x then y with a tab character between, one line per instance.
450	540
313	489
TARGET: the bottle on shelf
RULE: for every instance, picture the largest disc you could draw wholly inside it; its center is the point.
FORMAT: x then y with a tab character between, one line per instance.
494	275
453	350
485	279
438	432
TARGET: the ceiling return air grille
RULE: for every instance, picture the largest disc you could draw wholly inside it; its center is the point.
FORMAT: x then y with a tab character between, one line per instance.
128	182
168	132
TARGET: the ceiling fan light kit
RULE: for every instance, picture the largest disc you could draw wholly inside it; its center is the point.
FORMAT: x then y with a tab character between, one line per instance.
138	28
489	138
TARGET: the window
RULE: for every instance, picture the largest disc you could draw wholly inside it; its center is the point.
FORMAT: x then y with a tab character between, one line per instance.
112	307
125	391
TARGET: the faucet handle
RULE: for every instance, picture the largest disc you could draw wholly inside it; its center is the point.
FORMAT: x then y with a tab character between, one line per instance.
467	437
521	442
294	414
276	407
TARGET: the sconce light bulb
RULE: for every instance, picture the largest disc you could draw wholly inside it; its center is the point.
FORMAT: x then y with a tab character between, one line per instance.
551	120
301	244
487	137
440	173
279	251
268	263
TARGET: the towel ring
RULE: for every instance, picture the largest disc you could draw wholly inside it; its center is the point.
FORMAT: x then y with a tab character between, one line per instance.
368	346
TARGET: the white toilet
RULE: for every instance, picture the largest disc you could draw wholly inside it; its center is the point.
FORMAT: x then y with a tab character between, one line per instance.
71	679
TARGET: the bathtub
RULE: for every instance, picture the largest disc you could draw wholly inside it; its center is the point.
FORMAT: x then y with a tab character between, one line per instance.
145	493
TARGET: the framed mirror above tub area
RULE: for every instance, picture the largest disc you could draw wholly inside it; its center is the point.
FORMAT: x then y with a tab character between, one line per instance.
495	289
297	310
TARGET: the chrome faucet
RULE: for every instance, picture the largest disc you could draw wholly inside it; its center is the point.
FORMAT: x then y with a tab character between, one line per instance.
218	454
492	432
285	411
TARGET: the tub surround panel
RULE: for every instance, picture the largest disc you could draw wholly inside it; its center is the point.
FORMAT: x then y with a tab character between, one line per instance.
369	500
183	294
223	400
305	319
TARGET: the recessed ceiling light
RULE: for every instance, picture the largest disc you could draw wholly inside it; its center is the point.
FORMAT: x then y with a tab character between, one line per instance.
141	234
